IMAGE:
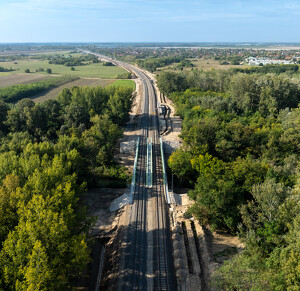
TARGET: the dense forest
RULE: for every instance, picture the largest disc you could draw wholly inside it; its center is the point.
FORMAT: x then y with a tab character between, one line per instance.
50	152
241	135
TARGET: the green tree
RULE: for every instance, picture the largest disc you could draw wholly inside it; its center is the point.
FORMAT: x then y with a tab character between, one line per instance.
17	116
8	205
101	139
76	115
119	104
245	92
169	82
291	129
37	272
180	164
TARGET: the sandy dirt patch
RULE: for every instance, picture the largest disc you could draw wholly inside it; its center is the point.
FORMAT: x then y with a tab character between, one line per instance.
98	201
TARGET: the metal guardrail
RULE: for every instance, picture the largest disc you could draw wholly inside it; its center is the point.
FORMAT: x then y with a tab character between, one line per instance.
164	171
134	170
149	169
151	163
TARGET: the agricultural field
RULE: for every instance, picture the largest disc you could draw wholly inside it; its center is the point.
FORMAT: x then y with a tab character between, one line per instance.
91	74
96	70
9	80
52	94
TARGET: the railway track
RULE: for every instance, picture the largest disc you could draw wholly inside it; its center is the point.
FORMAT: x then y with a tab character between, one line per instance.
136	268
163	274
162	278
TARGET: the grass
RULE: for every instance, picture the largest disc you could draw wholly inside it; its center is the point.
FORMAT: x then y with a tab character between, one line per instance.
209	64
203	64
5	74
128	83
226	252
89	71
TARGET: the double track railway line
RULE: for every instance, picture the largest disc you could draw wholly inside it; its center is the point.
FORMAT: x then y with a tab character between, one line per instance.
144	269
163	273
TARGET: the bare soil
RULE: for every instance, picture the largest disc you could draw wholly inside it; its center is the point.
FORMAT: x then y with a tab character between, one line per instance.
15	79
98	201
103	232
224	246
91	82
176	124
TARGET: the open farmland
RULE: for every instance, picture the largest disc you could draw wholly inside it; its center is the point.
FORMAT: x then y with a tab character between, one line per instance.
9	80
96	70
51	94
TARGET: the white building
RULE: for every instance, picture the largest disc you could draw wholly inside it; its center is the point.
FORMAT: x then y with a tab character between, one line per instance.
257	61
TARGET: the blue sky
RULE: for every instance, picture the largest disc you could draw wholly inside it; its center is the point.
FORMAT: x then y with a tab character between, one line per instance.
149	20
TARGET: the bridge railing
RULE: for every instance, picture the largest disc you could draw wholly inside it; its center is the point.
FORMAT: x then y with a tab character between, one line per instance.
165	181
149	168
133	181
